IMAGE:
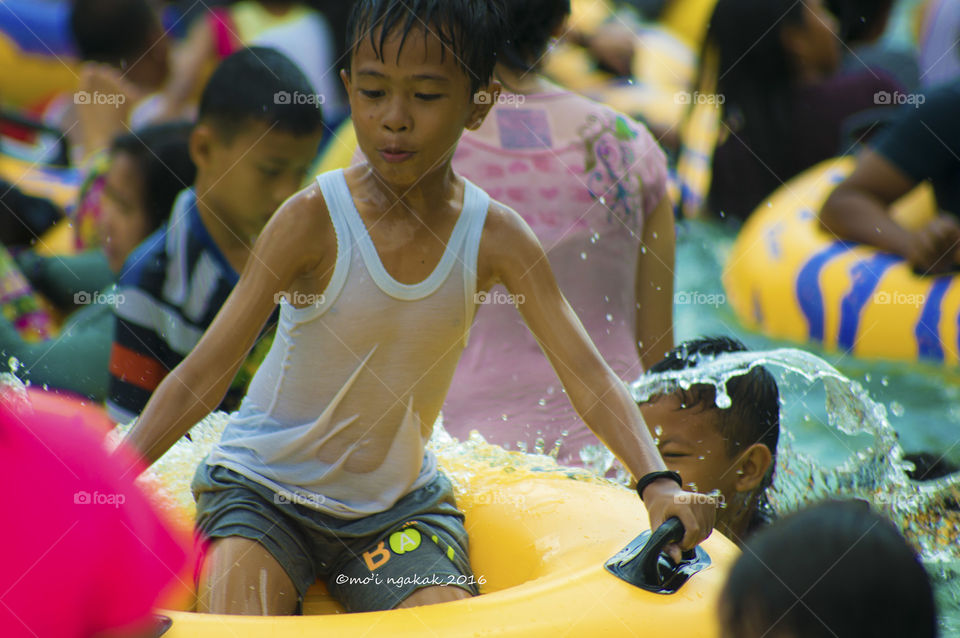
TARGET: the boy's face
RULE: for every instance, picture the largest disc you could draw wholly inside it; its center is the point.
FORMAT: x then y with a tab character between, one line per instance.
244	179
123	222
691	444
409	112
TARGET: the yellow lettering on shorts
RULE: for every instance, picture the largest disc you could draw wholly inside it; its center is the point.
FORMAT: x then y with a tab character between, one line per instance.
377	558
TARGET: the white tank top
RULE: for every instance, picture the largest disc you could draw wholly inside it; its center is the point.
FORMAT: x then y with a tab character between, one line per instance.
338	415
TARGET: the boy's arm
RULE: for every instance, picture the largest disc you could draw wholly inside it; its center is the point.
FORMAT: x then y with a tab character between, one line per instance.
196	386
511	254
654	286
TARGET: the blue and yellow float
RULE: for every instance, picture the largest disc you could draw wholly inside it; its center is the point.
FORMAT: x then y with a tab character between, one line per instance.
789	279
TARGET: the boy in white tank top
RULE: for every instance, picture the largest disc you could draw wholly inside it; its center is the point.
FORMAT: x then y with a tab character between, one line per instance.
377	269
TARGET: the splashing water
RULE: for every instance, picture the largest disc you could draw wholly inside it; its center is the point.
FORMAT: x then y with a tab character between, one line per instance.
926	512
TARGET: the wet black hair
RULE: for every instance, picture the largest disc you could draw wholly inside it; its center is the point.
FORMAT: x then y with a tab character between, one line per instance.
754	413
161	154
530	24
112	31
473	30
835	570
755	72
860	19
259	84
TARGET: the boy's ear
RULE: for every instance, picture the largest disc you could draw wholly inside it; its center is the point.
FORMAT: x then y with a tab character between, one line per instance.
483	101
752	466
200	145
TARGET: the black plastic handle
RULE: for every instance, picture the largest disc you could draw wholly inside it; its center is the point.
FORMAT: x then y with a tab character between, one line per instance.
643	564
671	531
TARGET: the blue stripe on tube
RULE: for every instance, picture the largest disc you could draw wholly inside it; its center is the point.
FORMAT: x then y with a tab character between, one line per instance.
809	295
927	330
864	277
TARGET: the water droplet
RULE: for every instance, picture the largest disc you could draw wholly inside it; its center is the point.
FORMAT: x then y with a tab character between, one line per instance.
692	486
897	408
884	381
606	298
655	235
867	377
13	364
723	400
603	200
609	317
522	446
583	256
594	238
550	391
643	250
701	457
542	402
503	417
539	445
658	430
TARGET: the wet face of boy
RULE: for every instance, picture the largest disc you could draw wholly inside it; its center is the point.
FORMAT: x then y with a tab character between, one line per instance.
244	178
410	107
691	444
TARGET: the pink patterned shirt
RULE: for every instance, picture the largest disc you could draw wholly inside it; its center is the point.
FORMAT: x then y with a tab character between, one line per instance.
584	177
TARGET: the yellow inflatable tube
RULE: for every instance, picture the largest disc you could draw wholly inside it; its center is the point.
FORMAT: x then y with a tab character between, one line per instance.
539	541
788	279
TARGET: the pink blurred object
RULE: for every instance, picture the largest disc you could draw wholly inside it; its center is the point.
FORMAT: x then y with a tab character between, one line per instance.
81	548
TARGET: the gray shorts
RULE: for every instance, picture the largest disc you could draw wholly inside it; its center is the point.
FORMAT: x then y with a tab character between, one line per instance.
369	564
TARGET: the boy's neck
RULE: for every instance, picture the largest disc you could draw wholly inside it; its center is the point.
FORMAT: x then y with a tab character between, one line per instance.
421	198
234	247
735	525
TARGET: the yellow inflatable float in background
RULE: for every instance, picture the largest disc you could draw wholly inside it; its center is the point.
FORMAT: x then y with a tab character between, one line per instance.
539	538
788	279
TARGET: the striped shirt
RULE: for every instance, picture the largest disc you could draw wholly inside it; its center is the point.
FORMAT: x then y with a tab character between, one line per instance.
172	287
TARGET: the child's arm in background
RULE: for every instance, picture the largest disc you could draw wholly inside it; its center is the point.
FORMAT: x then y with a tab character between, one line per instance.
654	285
196	386
510	254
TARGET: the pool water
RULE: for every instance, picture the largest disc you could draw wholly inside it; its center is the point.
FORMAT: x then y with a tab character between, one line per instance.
922	401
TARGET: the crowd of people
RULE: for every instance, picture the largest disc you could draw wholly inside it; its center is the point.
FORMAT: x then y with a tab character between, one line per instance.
499	250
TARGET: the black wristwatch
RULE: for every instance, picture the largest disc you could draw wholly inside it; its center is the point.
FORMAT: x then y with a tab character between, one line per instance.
647	479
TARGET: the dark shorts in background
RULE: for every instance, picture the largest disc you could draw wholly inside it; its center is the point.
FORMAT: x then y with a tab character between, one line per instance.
369	564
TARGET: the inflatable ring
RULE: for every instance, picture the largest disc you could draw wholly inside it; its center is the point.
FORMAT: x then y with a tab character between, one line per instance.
539	541
788	279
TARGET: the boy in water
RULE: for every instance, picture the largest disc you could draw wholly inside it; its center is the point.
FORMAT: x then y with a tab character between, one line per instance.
731	450
323	471
252	152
